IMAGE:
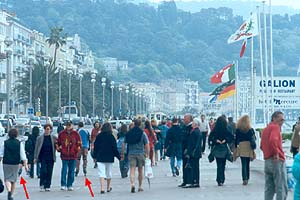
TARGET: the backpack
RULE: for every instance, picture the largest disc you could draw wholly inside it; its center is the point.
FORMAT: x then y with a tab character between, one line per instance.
120	142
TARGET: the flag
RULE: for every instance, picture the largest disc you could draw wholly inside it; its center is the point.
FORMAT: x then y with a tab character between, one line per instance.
224	75
243	48
247	30
227	92
219	89
212	99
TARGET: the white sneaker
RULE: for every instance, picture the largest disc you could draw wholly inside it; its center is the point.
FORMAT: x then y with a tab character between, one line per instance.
63	188
47	189
42	189
70	188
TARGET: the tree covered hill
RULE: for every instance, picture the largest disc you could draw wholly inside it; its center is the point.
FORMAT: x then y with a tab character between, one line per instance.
162	42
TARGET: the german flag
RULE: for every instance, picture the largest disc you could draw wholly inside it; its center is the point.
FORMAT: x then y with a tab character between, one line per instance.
227	92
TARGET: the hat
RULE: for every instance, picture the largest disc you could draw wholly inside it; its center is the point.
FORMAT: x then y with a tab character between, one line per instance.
69	123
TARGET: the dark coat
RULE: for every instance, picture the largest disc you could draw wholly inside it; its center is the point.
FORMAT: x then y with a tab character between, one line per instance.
105	148
173	142
186	131
194	144
220	150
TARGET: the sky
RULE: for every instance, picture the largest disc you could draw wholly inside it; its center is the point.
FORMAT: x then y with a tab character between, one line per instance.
291	3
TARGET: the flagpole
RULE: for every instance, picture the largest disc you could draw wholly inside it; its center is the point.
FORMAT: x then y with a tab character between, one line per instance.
236	90
253	78
271	56
261	66
266	61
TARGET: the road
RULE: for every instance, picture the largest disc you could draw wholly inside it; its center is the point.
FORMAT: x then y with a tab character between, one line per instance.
163	185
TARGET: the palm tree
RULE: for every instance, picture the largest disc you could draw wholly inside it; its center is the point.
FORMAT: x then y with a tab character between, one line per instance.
58	39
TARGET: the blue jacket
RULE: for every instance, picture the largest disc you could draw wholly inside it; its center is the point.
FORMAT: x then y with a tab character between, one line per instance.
84	134
296	174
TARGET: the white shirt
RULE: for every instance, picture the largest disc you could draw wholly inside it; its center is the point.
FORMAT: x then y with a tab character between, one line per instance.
204	127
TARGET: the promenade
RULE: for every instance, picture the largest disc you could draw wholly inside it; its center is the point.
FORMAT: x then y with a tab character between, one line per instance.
163	185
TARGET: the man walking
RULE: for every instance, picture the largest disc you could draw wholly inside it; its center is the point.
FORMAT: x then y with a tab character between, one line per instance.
204	129
85	136
275	169
68	144
138	150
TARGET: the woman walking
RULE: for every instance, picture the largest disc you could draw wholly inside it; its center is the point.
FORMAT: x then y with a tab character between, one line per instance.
45	154
245	144
158	144
105	149
220	137
12	152
95	132
29	150
152	139
124	167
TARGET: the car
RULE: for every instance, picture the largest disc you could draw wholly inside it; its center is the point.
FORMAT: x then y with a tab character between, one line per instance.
2	130
76	120
4	123
56	121
22	121
43	120
38	124
117	123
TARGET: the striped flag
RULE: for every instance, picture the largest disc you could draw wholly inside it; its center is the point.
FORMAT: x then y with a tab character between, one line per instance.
243	48
227	92
226	74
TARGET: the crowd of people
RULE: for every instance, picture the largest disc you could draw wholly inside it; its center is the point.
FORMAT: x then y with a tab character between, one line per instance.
183	141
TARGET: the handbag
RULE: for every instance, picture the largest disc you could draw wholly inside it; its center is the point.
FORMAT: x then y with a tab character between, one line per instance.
229	155
253	141
211	155
254	156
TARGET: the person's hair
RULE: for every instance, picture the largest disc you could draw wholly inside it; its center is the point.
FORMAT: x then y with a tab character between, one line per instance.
106	127
35	131
96	122
123	128
175	120
47	125
276	114
13	133
131	125
154	122
202	115
80	124
243	123
221	125
230	119
148	127
137	122
189	116
196	121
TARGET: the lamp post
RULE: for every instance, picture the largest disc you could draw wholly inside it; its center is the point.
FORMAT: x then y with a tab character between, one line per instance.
69	71
132	99
80	76
47	63
8	50
103	83
140	106
93	80
120	92
136	101
30	52
59	86
127	100
112	97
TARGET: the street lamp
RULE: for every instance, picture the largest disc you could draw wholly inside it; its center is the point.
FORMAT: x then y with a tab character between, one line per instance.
112	97
59	86
80	76
132	99
93	80
30	52
70	72
47	62
103	83
140	99
136	101
120	92
8	50
127	100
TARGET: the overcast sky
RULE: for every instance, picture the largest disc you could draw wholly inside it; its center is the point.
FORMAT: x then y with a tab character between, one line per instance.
290	3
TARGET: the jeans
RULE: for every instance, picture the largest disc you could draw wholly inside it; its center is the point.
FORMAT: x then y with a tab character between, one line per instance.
46	173
162	146
124	166
221	162
245	168
67	172
172	163
275	179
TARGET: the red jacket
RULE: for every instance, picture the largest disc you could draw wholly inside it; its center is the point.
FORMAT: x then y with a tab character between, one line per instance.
152	138
68	144
271	142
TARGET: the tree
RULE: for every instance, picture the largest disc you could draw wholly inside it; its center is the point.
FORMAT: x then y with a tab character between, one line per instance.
57	39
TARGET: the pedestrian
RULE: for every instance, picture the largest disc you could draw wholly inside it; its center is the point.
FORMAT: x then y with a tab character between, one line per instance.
60	127
45	154
232	129
295	140
29	150
152	140
163	131
187	128
95	132
220	137
275	168
105	149
173	147
296	172
138	150
158	144
123	164
204	129
68	144
193	154
11	152
84	150
245	144
211	123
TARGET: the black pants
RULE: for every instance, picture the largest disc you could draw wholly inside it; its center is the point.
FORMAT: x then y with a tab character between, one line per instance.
46	173
196	170
294	151
221	162
184	172
204	136
245	168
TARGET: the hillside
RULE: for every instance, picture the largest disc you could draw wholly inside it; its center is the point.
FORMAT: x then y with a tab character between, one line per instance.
162	42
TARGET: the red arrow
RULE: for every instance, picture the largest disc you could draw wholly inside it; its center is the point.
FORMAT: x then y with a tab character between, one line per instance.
88	183
23	182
